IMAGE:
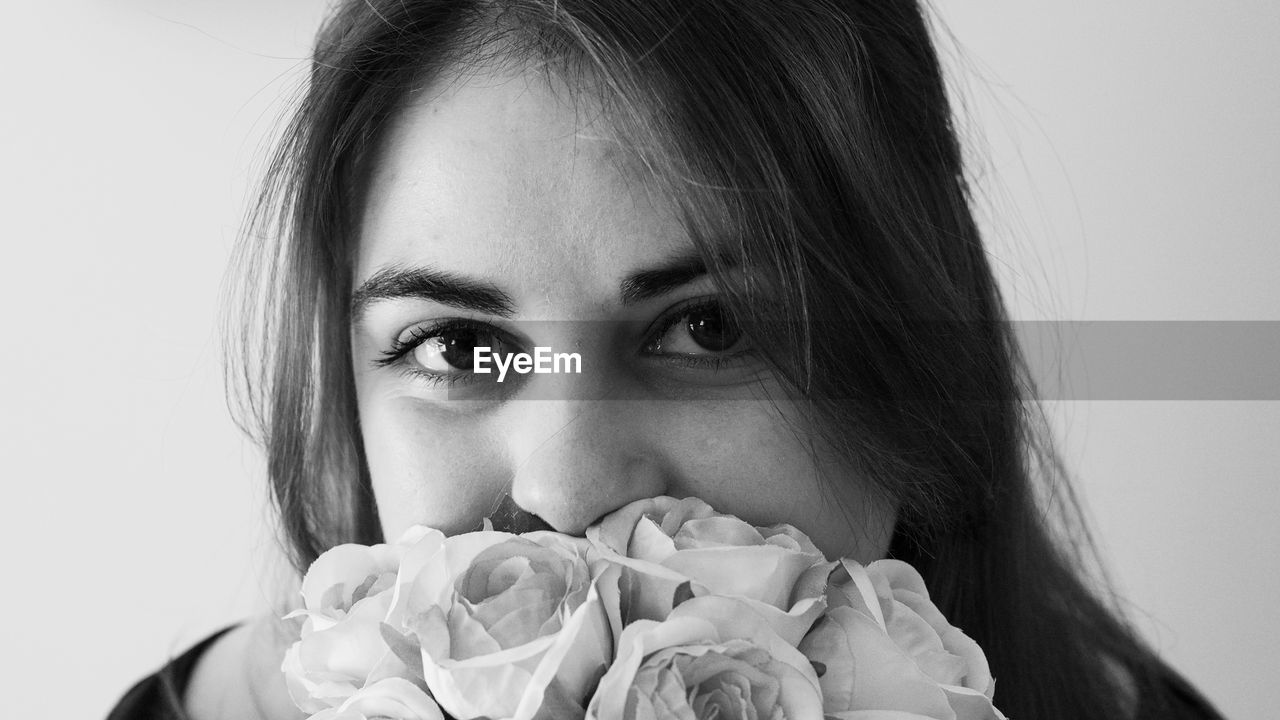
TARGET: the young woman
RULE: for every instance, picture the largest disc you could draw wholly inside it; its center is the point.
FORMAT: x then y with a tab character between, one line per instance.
750	221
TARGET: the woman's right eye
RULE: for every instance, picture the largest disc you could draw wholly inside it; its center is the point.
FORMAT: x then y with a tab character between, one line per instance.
448	351
443	353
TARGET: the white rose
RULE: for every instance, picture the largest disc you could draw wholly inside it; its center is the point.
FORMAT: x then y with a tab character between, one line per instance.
668	550
388	699
884	648
510	626
713	657
347	593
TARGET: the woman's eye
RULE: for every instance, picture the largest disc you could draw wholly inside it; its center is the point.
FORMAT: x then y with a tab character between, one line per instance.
443	353
449	351
701	329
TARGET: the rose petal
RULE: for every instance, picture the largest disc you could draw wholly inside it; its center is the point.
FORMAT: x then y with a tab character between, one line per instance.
699	627
533	590
789	537
715	532
390	699
497	616
682	511
658	694
978	673
788	586
649	542
971	704
763	572
866	670
615	530
488	577
468	638
335	575
876	715
526	622
574	664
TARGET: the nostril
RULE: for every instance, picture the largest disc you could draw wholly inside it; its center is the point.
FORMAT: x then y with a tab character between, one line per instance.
507	516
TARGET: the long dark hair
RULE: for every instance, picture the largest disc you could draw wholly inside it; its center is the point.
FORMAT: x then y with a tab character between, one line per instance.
809	141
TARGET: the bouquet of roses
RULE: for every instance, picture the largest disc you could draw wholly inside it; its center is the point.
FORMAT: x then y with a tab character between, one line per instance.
666	609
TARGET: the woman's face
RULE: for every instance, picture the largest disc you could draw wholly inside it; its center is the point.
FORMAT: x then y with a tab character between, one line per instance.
501	207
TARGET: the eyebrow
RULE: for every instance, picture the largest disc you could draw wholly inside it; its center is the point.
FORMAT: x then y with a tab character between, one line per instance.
400	282
649	284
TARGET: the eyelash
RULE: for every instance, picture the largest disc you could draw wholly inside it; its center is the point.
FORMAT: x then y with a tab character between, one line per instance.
672	318
402	347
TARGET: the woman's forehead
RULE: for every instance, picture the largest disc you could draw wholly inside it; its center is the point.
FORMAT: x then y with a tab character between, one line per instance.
506	178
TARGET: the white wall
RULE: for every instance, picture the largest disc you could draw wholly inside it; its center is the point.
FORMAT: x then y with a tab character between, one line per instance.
1133	152
129	129
1138	159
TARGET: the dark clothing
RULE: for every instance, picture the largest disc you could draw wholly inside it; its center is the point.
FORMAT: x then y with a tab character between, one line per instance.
159	696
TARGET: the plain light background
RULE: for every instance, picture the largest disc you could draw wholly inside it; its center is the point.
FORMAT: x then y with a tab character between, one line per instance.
1130	169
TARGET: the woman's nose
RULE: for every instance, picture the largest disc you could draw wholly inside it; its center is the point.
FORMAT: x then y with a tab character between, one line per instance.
574	461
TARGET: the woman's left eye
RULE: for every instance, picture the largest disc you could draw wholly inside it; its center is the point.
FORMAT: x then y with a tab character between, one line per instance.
699	333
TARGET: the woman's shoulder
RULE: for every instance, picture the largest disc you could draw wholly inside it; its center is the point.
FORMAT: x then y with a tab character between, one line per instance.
234	673
240	676
160	694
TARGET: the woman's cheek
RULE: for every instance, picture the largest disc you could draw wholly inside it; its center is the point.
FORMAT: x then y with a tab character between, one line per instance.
430	466
742	457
